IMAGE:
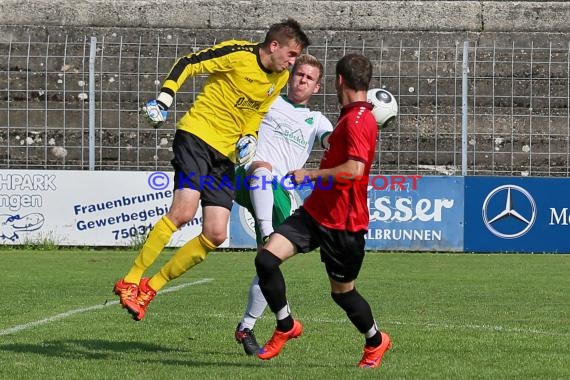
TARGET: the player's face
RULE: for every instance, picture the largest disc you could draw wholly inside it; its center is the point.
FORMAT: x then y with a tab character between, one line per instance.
283	56
303	83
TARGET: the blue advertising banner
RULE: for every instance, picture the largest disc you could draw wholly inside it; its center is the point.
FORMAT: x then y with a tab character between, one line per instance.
406	213
416	214
242	233
513	214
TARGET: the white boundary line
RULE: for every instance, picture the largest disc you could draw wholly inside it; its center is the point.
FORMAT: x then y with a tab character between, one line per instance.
449	326
428	325
491	328
57	317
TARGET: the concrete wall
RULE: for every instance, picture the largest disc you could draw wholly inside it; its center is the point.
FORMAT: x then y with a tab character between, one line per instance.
544	24
475	16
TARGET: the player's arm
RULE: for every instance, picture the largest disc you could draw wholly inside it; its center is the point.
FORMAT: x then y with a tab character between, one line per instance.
206	61
254	122
351	170
247	144
325	140
324	129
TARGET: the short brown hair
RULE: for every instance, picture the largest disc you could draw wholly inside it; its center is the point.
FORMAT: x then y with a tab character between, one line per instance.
285	31
356	70
308	59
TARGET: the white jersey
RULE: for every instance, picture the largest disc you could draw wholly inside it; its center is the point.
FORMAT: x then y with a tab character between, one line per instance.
287	134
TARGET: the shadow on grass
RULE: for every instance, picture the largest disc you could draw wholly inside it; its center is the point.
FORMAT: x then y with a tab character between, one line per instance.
88	349
98	349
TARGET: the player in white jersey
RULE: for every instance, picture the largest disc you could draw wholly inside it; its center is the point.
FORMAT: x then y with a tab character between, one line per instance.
285	140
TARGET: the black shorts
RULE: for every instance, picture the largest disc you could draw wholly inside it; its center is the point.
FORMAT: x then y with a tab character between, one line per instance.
342	251
200	167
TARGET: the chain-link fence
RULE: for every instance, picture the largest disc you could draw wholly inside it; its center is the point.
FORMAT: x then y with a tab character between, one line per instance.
73	104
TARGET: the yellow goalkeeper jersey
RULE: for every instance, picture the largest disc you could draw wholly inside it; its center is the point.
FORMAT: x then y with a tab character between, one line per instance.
235	97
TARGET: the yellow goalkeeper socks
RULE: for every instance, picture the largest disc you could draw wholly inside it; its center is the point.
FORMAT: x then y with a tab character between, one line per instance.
189	255
157	239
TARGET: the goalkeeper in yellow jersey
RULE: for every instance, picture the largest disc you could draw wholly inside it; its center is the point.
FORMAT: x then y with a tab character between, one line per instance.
219	131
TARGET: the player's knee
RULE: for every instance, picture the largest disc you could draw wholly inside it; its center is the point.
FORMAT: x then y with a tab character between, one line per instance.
214	236
266	263
344	300
260	177
217	239
179	217
255	165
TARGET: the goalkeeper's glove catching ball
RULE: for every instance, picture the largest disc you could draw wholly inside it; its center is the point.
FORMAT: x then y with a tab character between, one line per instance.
155	112
245	149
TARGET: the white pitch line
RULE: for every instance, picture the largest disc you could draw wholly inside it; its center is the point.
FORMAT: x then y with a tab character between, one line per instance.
428	325
25	326
492	328
449	326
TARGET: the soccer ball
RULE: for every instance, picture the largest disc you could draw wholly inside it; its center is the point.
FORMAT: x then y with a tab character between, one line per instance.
385	106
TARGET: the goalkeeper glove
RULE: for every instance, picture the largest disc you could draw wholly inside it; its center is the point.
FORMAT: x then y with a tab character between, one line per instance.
155	112
245	149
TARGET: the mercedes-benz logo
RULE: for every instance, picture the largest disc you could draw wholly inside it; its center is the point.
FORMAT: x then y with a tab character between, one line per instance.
516	211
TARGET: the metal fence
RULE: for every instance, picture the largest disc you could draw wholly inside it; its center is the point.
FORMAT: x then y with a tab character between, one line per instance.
73	104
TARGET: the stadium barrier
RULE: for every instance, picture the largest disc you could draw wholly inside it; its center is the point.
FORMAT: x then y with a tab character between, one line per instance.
431	213
467	104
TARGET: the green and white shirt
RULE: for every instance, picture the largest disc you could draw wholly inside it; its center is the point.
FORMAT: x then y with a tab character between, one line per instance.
287	135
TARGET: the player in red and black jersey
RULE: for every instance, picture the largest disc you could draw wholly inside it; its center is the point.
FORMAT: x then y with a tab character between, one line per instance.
334	218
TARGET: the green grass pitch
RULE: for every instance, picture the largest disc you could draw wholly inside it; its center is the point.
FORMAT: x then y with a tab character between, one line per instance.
450	316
